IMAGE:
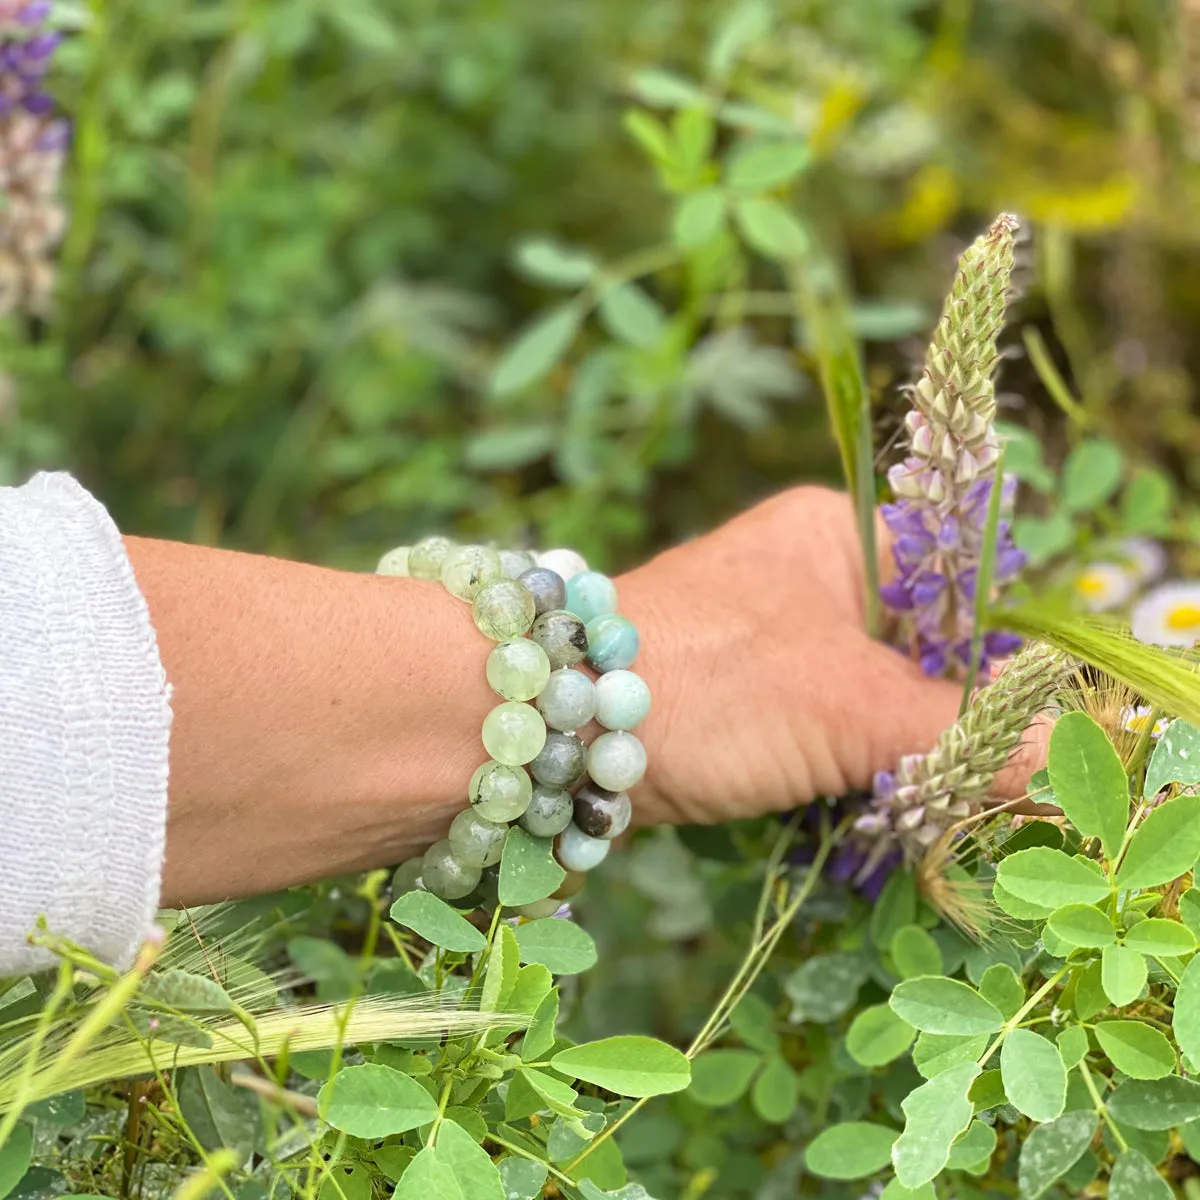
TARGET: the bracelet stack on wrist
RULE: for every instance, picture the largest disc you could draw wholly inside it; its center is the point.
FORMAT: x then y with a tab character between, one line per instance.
549	615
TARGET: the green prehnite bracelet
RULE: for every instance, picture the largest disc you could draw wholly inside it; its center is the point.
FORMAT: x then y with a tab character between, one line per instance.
549	615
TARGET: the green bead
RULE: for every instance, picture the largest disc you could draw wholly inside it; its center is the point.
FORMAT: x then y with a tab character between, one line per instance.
514	563
616	761
622	700
499	792
407	877
465	570
426	557
549	812
577	852
563	637
612	642
394	562
503	609
540	908
445	874
568	701
476	841
518	669
589	594
514	733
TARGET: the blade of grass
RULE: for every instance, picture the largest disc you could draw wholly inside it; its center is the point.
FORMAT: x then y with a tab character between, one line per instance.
983	579
1051	378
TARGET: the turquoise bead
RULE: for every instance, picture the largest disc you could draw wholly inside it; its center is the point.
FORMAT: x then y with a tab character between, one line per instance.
568	701
612	642
590	594
616	761
577	852
622	700
514	734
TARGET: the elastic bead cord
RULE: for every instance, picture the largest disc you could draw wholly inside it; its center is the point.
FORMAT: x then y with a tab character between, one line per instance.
551	618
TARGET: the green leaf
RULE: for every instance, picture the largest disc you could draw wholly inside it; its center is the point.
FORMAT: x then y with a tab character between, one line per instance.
973	1151
988	1091
1050	877
935	1114
522	1178
664	89
218	1114
471	1165
1023	910
631	316
1073	1045
1186	1021
557	1096
825	987
630	1065
508	449
1089	782
939	1005
742	25
699	218
1176	759
1136	1049
877	1036
776	1091
1146	502
1043	538
542	260
186	992
895	1190
537	351
1051	1150
854	1150
1091	474
720	1077
539	1037
503	969
1160	938
1165	845
427	1178
1035	1080
533	982
915	953
66	1108
935	1053
437	922
1001	986
15	1157
528	868
1134	1178
770	229
560	945
374	1101
1189	909
1155	1103
1123	974
1082	925
753	1020
756	166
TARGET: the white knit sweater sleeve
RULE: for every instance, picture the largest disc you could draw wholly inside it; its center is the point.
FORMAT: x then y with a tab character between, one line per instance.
85	717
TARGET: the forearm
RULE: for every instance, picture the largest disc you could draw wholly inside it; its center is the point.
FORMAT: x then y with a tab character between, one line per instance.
324	721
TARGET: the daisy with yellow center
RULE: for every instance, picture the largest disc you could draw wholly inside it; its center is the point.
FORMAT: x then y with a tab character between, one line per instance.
1105	585
1137	720
1168	616
1146	558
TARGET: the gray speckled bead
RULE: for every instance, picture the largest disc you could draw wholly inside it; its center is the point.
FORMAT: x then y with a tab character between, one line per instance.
612	642
503	609
600	813
549	812
445	874
465	570
407	877
475	840
517	669
568	700
616	761
426	557
394	562
540	908
562	635
514	563
547	588
622	700
562	761
577	852
590	594
498	792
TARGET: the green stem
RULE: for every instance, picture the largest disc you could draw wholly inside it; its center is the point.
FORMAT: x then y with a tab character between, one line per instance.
1101	1107
1014	1021
559	1175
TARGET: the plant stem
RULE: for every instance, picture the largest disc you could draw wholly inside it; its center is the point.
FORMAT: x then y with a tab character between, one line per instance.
1101	1107
1014	1021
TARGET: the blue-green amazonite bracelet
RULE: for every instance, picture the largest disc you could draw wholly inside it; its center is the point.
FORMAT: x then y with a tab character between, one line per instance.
549	615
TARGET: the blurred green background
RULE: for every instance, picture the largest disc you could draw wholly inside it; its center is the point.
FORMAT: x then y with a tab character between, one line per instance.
294	256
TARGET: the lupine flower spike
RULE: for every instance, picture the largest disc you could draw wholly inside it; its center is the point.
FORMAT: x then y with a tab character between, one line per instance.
944	486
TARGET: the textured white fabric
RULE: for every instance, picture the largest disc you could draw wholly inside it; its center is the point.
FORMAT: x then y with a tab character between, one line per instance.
85	717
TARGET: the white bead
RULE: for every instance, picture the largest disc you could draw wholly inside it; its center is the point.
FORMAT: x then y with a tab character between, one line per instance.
394	562
566	563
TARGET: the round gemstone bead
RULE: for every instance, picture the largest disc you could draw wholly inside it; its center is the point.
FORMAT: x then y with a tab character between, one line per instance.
577	852
565	562
600	813
488	890
514	734
622	699
498	792
503	609
612	642
562	762
572	885
568	701
589	594
549	812
540	908
547	587
394	562
426	557
563	637
465	570
518	669
407	877
514	563
616	761
476	841
445	874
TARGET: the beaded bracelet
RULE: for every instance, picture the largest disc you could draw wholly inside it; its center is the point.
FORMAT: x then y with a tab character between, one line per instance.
548	613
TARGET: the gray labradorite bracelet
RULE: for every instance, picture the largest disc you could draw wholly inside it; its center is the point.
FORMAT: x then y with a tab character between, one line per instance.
549	615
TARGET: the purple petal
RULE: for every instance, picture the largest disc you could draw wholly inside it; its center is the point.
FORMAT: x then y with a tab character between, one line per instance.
948	534
913	547
35	12
43	45
927	587
39	104
897	596
1001	645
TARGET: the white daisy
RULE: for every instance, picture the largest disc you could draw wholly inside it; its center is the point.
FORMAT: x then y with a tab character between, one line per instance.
1105	585
1146	557
1136	719
1168	616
